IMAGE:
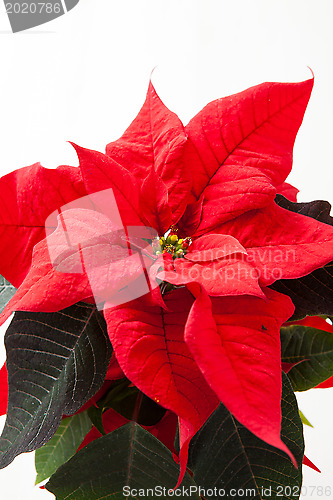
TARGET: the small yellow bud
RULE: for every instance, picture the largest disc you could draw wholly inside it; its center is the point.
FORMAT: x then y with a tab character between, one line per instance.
162	241
180	241
174	238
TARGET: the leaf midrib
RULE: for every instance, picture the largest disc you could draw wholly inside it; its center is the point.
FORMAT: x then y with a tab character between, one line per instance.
292	101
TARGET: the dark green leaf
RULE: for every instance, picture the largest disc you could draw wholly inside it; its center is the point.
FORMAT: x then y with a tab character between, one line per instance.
318	209
225	455
150	412
129	456
62	446
312	294
95	415
6	292
313	346
122	398
56	362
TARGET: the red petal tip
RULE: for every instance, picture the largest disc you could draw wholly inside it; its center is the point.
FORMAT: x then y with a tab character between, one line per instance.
77	148
307	461
311	73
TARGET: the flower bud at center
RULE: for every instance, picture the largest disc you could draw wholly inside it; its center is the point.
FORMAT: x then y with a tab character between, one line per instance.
177	247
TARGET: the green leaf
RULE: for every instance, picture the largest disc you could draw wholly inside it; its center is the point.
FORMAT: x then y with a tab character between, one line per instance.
304	419
62	446
312	294
225	455
95	415
315	348
56	362
6	292
122	398
129	456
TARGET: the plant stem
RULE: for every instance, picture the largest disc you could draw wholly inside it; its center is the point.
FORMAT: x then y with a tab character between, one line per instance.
137	407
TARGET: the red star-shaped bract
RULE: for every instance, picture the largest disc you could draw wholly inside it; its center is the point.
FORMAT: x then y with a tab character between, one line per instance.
216	336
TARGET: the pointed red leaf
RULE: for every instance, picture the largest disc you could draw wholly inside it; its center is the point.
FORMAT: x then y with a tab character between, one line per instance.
84	257
100	172
326	384
45	289
114	371
213	247
313	322
149	346
281	244
28	196
307	461
157	210
191	218
286	367
236	344
239	148
230	274
155	140
288	191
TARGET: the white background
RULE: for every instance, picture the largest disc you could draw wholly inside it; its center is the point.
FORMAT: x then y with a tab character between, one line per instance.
83	78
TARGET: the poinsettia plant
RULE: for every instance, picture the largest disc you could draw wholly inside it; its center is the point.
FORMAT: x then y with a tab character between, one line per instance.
170	296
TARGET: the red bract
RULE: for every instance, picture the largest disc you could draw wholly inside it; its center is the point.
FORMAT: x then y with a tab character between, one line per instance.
240	149
155	142
243	336
307	461
189	358
216	262
28	197
150	348
288	191
214	181
313	322
286	367
281	244
326	384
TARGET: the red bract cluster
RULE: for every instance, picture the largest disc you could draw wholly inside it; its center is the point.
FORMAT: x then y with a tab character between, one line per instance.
216	335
